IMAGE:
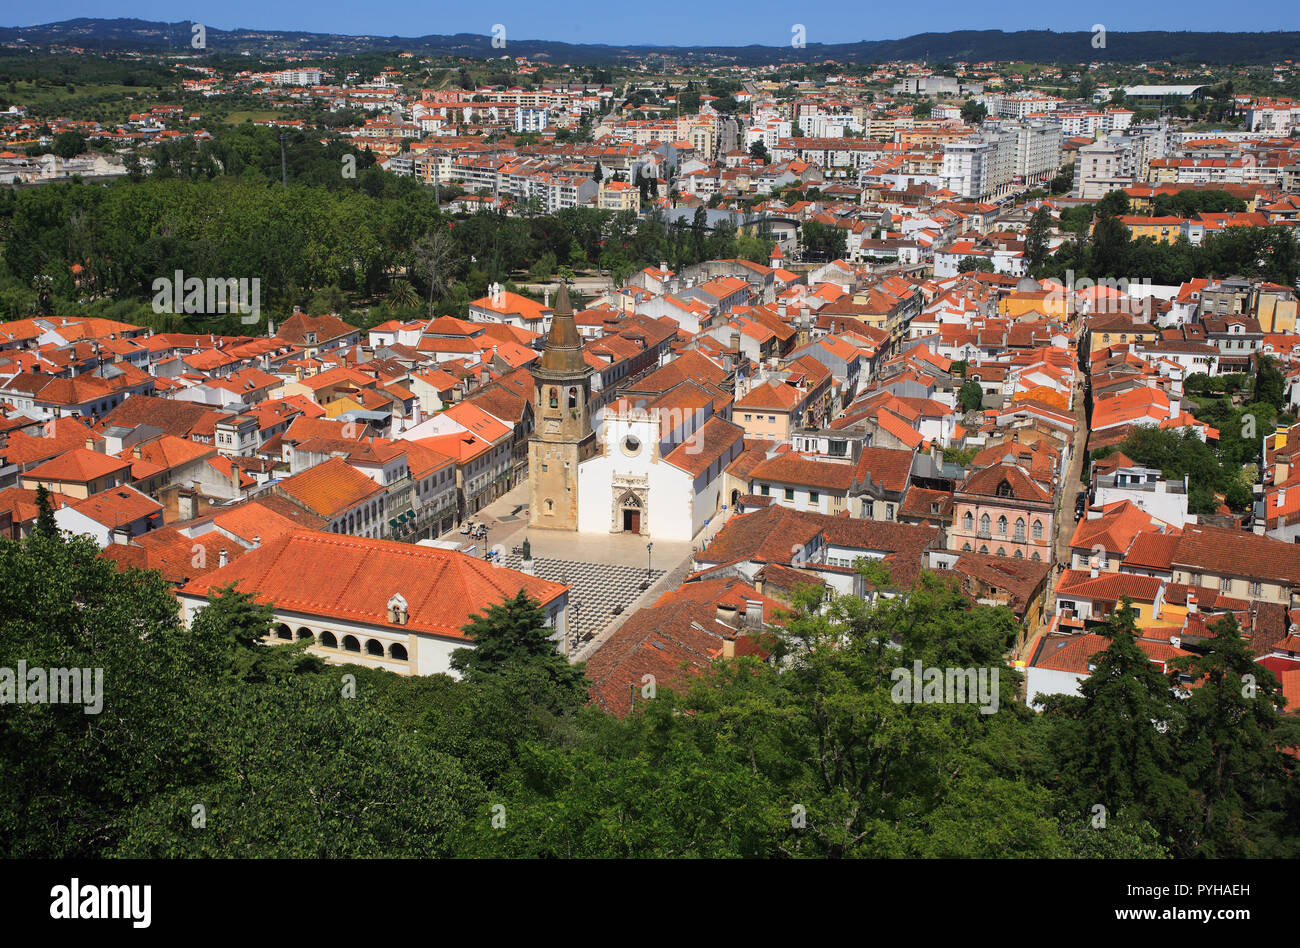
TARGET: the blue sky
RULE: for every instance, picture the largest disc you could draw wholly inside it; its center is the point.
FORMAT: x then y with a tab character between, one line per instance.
716	22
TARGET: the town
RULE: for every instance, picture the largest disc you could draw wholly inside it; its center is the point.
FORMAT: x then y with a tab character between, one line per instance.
690	357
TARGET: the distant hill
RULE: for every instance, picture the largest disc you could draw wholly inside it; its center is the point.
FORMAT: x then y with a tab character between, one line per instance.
961	45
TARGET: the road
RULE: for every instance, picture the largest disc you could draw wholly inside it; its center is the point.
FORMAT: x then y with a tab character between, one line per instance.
1065	522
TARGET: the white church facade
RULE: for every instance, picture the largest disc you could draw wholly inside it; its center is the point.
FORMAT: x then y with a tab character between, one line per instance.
659	469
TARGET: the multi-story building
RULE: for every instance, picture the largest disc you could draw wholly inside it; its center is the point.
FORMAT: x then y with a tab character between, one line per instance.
980	169
1000	509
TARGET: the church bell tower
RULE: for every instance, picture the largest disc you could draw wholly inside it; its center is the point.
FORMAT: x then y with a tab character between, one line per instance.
562	436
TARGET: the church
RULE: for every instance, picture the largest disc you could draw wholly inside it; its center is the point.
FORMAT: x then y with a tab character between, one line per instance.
652	466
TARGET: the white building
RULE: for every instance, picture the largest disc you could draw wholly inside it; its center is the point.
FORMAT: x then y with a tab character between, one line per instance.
659	470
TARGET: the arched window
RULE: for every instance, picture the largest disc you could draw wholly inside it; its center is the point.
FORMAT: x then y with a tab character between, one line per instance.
984	525
1004	489
550	506
1038	529
397	651
1002	551
350	644
1020	529
984	547
555	397
305	634
965	547
1019	555
1036	558
1002	526
573	397
374	647
968	522
282	632
327	639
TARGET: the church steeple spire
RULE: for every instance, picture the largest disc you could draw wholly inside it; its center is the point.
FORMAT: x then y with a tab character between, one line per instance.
563	352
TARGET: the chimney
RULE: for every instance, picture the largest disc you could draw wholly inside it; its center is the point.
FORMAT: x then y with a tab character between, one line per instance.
753	614
257	541
1281	496
185	504
223	558
546	298
121	535
1191	602
727	614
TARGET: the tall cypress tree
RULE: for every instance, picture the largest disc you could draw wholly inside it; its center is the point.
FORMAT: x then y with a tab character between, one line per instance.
1228	750
1118	753
512	637
45	524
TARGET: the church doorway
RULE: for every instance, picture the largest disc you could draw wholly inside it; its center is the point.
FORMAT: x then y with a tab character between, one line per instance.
631	513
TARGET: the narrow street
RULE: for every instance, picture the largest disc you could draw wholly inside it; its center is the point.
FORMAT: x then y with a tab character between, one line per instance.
1065	522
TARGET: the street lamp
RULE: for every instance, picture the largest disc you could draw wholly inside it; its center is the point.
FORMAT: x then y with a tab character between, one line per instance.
648	548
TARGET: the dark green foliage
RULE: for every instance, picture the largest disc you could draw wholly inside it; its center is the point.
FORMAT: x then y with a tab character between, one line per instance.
973	112
46	527
1114	750
1227	744
512	638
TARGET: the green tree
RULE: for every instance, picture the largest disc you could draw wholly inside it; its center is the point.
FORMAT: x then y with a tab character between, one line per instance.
1228	749
971	396
1118	754
305	772
403	295
1036	234
973	112
1270	383
46	527
513	635
72	769
68	144
758	149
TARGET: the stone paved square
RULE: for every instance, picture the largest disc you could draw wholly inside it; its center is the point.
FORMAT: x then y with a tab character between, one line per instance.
598	589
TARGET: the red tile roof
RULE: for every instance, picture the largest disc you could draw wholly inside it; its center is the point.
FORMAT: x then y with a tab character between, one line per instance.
353	578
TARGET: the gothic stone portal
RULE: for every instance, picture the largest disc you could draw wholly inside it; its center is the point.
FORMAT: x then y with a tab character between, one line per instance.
630	512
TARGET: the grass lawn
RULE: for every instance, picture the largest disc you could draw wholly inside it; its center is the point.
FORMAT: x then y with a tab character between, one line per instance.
107	102
239	118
